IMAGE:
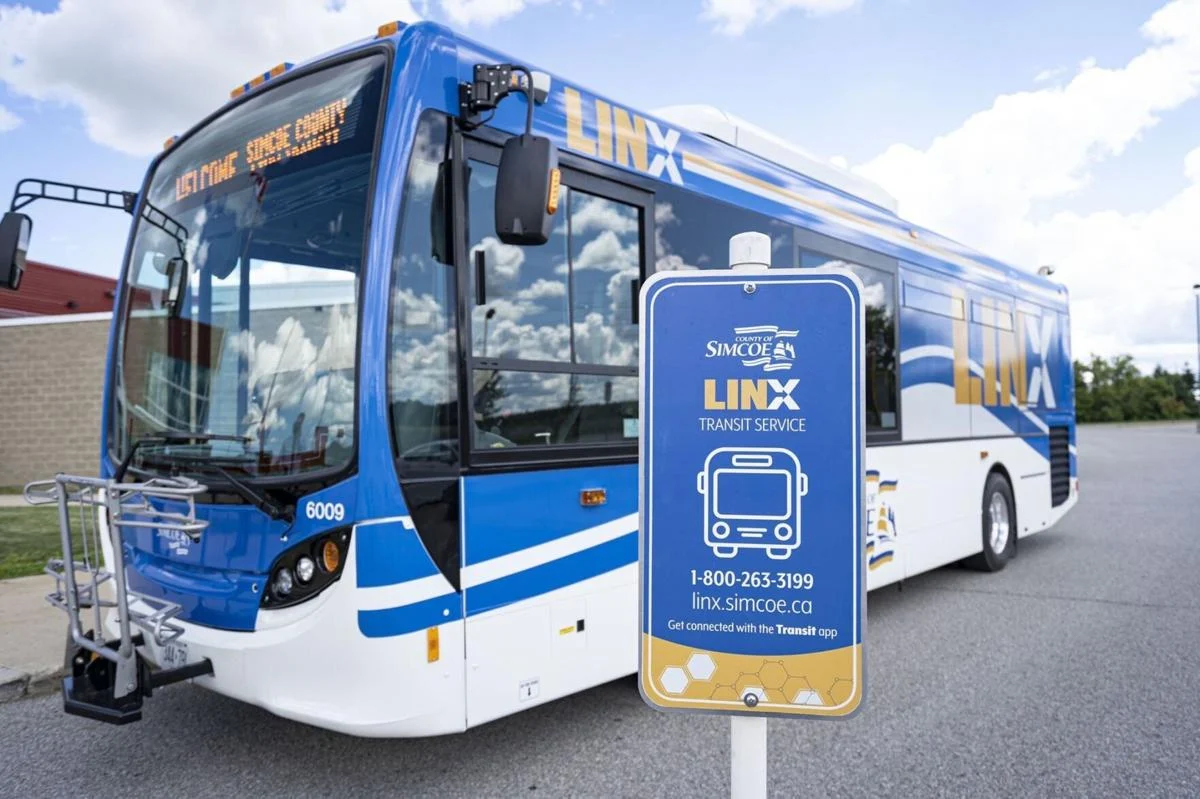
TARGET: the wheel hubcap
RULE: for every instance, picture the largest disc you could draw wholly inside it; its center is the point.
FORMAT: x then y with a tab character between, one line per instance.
998	520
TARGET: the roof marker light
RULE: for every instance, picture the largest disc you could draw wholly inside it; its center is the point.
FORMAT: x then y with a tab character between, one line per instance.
167	144
389	29
259	80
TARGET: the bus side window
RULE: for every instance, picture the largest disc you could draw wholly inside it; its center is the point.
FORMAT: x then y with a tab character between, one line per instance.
554	347
879	298
422	366
692	231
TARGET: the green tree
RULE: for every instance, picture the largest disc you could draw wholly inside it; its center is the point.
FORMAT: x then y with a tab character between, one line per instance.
1118	392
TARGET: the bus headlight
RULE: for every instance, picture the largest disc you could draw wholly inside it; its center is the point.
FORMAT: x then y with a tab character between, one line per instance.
281	586
307	569
304	569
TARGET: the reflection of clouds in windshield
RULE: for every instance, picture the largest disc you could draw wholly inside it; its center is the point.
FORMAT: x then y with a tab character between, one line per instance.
507	338
503	260
596	341
606	252
595	213
291	375
417	313
525	392
666	261
427	154
420	369
874	295
540	289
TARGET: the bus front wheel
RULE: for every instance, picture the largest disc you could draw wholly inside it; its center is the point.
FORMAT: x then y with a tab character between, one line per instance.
999	525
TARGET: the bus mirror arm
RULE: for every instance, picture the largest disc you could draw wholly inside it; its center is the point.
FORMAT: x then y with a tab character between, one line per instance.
30	190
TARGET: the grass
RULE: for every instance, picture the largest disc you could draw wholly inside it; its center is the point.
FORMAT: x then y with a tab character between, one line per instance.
28	538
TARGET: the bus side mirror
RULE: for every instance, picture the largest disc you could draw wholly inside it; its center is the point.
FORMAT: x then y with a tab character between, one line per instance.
177	286
526	190
14	243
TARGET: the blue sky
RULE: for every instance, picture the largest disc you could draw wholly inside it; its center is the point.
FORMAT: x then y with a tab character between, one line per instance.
852	82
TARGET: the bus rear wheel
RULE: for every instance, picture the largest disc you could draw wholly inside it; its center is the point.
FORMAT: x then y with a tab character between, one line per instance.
999	526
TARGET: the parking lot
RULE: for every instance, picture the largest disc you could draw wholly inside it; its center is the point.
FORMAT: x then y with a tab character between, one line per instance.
1074	672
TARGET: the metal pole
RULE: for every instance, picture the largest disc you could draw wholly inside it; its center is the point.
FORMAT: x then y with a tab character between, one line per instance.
748	252
748	757
72	592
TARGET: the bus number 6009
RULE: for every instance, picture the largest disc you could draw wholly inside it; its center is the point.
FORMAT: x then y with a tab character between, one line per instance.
325	511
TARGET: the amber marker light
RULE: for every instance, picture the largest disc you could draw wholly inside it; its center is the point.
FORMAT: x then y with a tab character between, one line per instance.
590	497
331	556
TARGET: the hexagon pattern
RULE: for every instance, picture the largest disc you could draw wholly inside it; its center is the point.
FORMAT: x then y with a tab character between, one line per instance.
773	674
808	696
674	680
771	682
701	667
756	691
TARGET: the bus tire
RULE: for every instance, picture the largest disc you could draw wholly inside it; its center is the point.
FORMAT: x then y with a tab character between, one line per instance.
999	523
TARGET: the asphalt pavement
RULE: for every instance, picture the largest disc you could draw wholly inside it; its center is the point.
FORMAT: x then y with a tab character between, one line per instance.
1074	672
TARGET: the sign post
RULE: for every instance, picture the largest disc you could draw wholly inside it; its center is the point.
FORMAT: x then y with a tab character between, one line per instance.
752	586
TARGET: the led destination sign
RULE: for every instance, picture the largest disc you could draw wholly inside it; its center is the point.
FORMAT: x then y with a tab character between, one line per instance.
311	131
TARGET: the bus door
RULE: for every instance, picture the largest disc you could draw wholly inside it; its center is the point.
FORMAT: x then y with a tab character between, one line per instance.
549	522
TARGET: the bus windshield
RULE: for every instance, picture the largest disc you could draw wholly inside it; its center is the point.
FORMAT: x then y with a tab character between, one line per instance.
240	307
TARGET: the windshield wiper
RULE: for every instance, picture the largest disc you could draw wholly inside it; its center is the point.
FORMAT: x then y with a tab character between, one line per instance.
249	493
169	436
243	489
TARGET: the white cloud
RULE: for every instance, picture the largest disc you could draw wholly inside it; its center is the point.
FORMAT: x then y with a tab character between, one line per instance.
983	183
140	72
733	17
482	12
8	120
488	12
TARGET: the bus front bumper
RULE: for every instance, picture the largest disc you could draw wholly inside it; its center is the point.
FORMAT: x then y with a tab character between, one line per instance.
312	664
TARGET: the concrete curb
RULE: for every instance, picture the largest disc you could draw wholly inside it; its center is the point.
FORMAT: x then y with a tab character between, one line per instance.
31	639
16	685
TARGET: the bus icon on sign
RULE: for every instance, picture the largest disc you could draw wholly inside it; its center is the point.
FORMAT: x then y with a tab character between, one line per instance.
752	500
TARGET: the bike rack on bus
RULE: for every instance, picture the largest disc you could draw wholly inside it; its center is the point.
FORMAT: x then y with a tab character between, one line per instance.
109	678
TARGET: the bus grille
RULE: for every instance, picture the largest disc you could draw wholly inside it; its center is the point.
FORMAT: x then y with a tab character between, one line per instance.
1060	465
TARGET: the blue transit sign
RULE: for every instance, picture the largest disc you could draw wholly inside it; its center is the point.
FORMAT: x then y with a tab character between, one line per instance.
752	580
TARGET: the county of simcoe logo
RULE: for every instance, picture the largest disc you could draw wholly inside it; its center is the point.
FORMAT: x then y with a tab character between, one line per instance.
759	345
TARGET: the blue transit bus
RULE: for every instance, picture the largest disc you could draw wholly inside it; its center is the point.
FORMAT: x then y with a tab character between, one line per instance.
369	440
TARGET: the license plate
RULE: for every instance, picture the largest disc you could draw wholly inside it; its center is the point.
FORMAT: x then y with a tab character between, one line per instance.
173	655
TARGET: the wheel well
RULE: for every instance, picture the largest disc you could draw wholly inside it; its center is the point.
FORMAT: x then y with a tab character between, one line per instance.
999	469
